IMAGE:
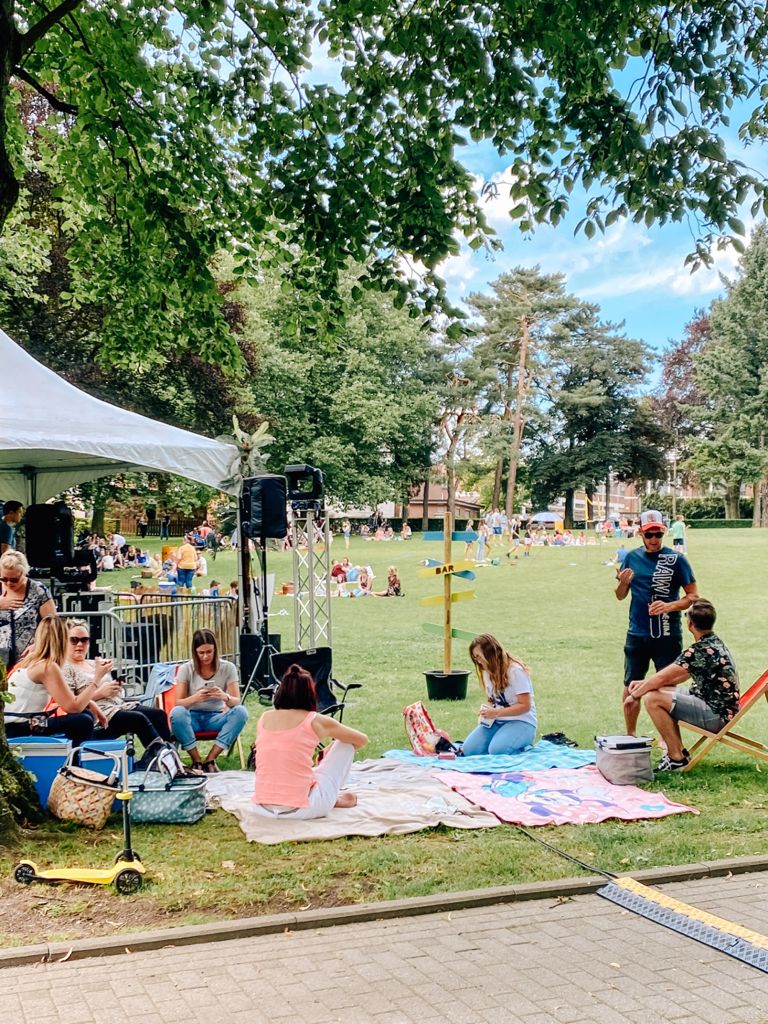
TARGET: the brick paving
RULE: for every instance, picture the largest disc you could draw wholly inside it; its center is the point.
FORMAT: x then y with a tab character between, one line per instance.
541	962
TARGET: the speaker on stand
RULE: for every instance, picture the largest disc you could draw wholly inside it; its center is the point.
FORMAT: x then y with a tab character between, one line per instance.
49	536
263	515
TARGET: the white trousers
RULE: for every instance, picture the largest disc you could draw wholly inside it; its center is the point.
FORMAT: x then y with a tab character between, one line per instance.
330	775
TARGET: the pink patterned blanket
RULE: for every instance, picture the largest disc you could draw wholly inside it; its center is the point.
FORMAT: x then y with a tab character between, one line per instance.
559	796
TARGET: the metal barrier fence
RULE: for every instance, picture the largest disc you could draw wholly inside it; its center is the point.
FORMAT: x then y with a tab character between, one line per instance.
139	633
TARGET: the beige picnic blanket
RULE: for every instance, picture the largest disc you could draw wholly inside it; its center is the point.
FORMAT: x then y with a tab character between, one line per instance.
393	798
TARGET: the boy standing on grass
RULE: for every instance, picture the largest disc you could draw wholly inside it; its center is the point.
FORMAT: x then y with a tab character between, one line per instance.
654	575
713	698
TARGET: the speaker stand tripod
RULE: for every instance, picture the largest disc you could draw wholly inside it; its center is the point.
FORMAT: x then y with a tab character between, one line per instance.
267	649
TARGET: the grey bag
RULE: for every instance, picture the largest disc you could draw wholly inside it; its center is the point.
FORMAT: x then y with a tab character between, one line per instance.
624	760
158	796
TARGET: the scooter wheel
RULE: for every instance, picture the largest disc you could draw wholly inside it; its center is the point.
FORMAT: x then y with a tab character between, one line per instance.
24	873
127	882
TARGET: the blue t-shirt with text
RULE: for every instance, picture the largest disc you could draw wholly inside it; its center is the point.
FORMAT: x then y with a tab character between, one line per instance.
657	577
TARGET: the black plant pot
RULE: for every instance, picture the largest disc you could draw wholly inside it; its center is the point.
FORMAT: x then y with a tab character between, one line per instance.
447	685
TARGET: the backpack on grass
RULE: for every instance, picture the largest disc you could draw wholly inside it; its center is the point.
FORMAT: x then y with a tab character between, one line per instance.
425	739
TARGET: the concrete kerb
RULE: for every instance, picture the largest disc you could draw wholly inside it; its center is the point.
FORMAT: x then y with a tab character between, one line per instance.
271	924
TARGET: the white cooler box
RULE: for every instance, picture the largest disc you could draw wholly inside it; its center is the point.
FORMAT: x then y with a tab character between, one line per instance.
624	760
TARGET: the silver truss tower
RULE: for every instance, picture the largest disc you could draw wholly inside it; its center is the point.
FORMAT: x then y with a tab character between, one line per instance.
310	536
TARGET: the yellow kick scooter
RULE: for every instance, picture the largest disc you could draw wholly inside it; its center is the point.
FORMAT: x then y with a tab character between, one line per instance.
126	871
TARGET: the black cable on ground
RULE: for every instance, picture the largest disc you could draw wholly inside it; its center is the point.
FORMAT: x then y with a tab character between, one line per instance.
567	856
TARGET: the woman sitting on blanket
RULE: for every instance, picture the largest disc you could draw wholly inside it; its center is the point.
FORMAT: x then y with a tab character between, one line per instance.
287	783
507	721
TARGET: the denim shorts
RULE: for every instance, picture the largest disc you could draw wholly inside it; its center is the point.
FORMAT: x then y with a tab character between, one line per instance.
694	711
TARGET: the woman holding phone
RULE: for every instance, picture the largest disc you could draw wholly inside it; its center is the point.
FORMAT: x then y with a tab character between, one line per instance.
207	699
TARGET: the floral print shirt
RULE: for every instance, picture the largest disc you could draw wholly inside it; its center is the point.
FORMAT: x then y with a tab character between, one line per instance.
713	675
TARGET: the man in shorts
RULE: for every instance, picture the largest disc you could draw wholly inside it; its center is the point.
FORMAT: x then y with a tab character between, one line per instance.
654	575
713	698
678	534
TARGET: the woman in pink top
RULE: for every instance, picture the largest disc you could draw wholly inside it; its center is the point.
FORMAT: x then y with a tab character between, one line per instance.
287	782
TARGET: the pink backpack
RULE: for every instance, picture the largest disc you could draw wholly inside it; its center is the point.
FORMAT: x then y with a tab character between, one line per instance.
425	739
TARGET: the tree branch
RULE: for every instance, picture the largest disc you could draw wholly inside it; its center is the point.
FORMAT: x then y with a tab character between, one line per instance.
30	38
53	100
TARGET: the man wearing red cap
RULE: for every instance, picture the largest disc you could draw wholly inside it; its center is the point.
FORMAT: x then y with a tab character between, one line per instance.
654	575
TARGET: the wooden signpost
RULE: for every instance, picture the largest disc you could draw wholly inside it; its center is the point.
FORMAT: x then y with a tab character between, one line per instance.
447	569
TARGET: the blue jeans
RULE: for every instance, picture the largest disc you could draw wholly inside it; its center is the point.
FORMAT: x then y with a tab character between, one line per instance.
504	736
228	724
184	577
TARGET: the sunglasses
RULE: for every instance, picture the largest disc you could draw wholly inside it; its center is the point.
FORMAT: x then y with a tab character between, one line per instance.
654	533
79	639
13	580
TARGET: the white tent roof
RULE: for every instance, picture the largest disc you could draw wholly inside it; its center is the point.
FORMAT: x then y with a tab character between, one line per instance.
53	436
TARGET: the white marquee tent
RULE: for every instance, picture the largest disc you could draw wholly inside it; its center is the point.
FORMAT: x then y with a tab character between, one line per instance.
53	436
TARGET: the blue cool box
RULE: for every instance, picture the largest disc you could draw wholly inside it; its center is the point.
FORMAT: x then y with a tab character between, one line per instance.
44	755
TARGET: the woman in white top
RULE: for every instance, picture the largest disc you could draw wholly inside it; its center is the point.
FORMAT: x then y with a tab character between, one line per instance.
507	721
207	700
38	679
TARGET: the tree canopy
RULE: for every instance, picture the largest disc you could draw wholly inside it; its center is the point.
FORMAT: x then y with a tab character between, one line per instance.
175	130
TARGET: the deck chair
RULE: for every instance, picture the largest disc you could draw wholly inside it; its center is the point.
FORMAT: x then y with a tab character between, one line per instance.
331	694
707	740
167	701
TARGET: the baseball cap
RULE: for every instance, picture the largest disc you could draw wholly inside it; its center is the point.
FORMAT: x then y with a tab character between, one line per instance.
651	520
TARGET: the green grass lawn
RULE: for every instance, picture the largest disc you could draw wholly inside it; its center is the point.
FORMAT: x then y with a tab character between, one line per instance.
557	612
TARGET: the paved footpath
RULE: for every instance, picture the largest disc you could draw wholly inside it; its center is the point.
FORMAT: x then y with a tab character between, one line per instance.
539	962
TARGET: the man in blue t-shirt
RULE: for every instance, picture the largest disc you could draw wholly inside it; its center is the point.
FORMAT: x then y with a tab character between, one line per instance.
654	576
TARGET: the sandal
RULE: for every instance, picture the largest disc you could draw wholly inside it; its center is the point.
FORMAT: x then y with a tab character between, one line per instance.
210	767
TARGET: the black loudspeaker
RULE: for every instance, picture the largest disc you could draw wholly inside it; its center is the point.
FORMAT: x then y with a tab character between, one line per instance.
49	532
264	500
250	645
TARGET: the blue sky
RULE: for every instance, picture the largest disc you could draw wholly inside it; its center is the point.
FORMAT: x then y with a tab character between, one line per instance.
635	274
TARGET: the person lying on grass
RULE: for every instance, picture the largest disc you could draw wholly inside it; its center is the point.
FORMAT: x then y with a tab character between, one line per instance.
288	785
713	698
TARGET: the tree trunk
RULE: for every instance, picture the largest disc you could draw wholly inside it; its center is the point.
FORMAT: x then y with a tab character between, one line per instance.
568	516
607	494
732	492
425	507
518	421
497	482
9	37
100	497
18	797
760	493
451	482
589	505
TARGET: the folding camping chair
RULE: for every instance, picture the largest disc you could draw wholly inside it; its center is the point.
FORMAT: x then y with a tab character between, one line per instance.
331	694
707	740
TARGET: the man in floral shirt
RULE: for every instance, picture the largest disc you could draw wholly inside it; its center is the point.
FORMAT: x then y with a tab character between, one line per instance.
713	698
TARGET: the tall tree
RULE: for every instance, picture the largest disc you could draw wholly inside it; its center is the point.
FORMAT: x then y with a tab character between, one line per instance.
595	424
732	373
514	324
677	401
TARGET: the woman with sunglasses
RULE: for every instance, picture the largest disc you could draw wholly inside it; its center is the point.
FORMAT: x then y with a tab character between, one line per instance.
38	679
24	603
150	725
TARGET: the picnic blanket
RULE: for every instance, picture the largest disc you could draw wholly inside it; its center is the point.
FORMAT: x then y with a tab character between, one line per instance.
538	757
560	796
393	798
